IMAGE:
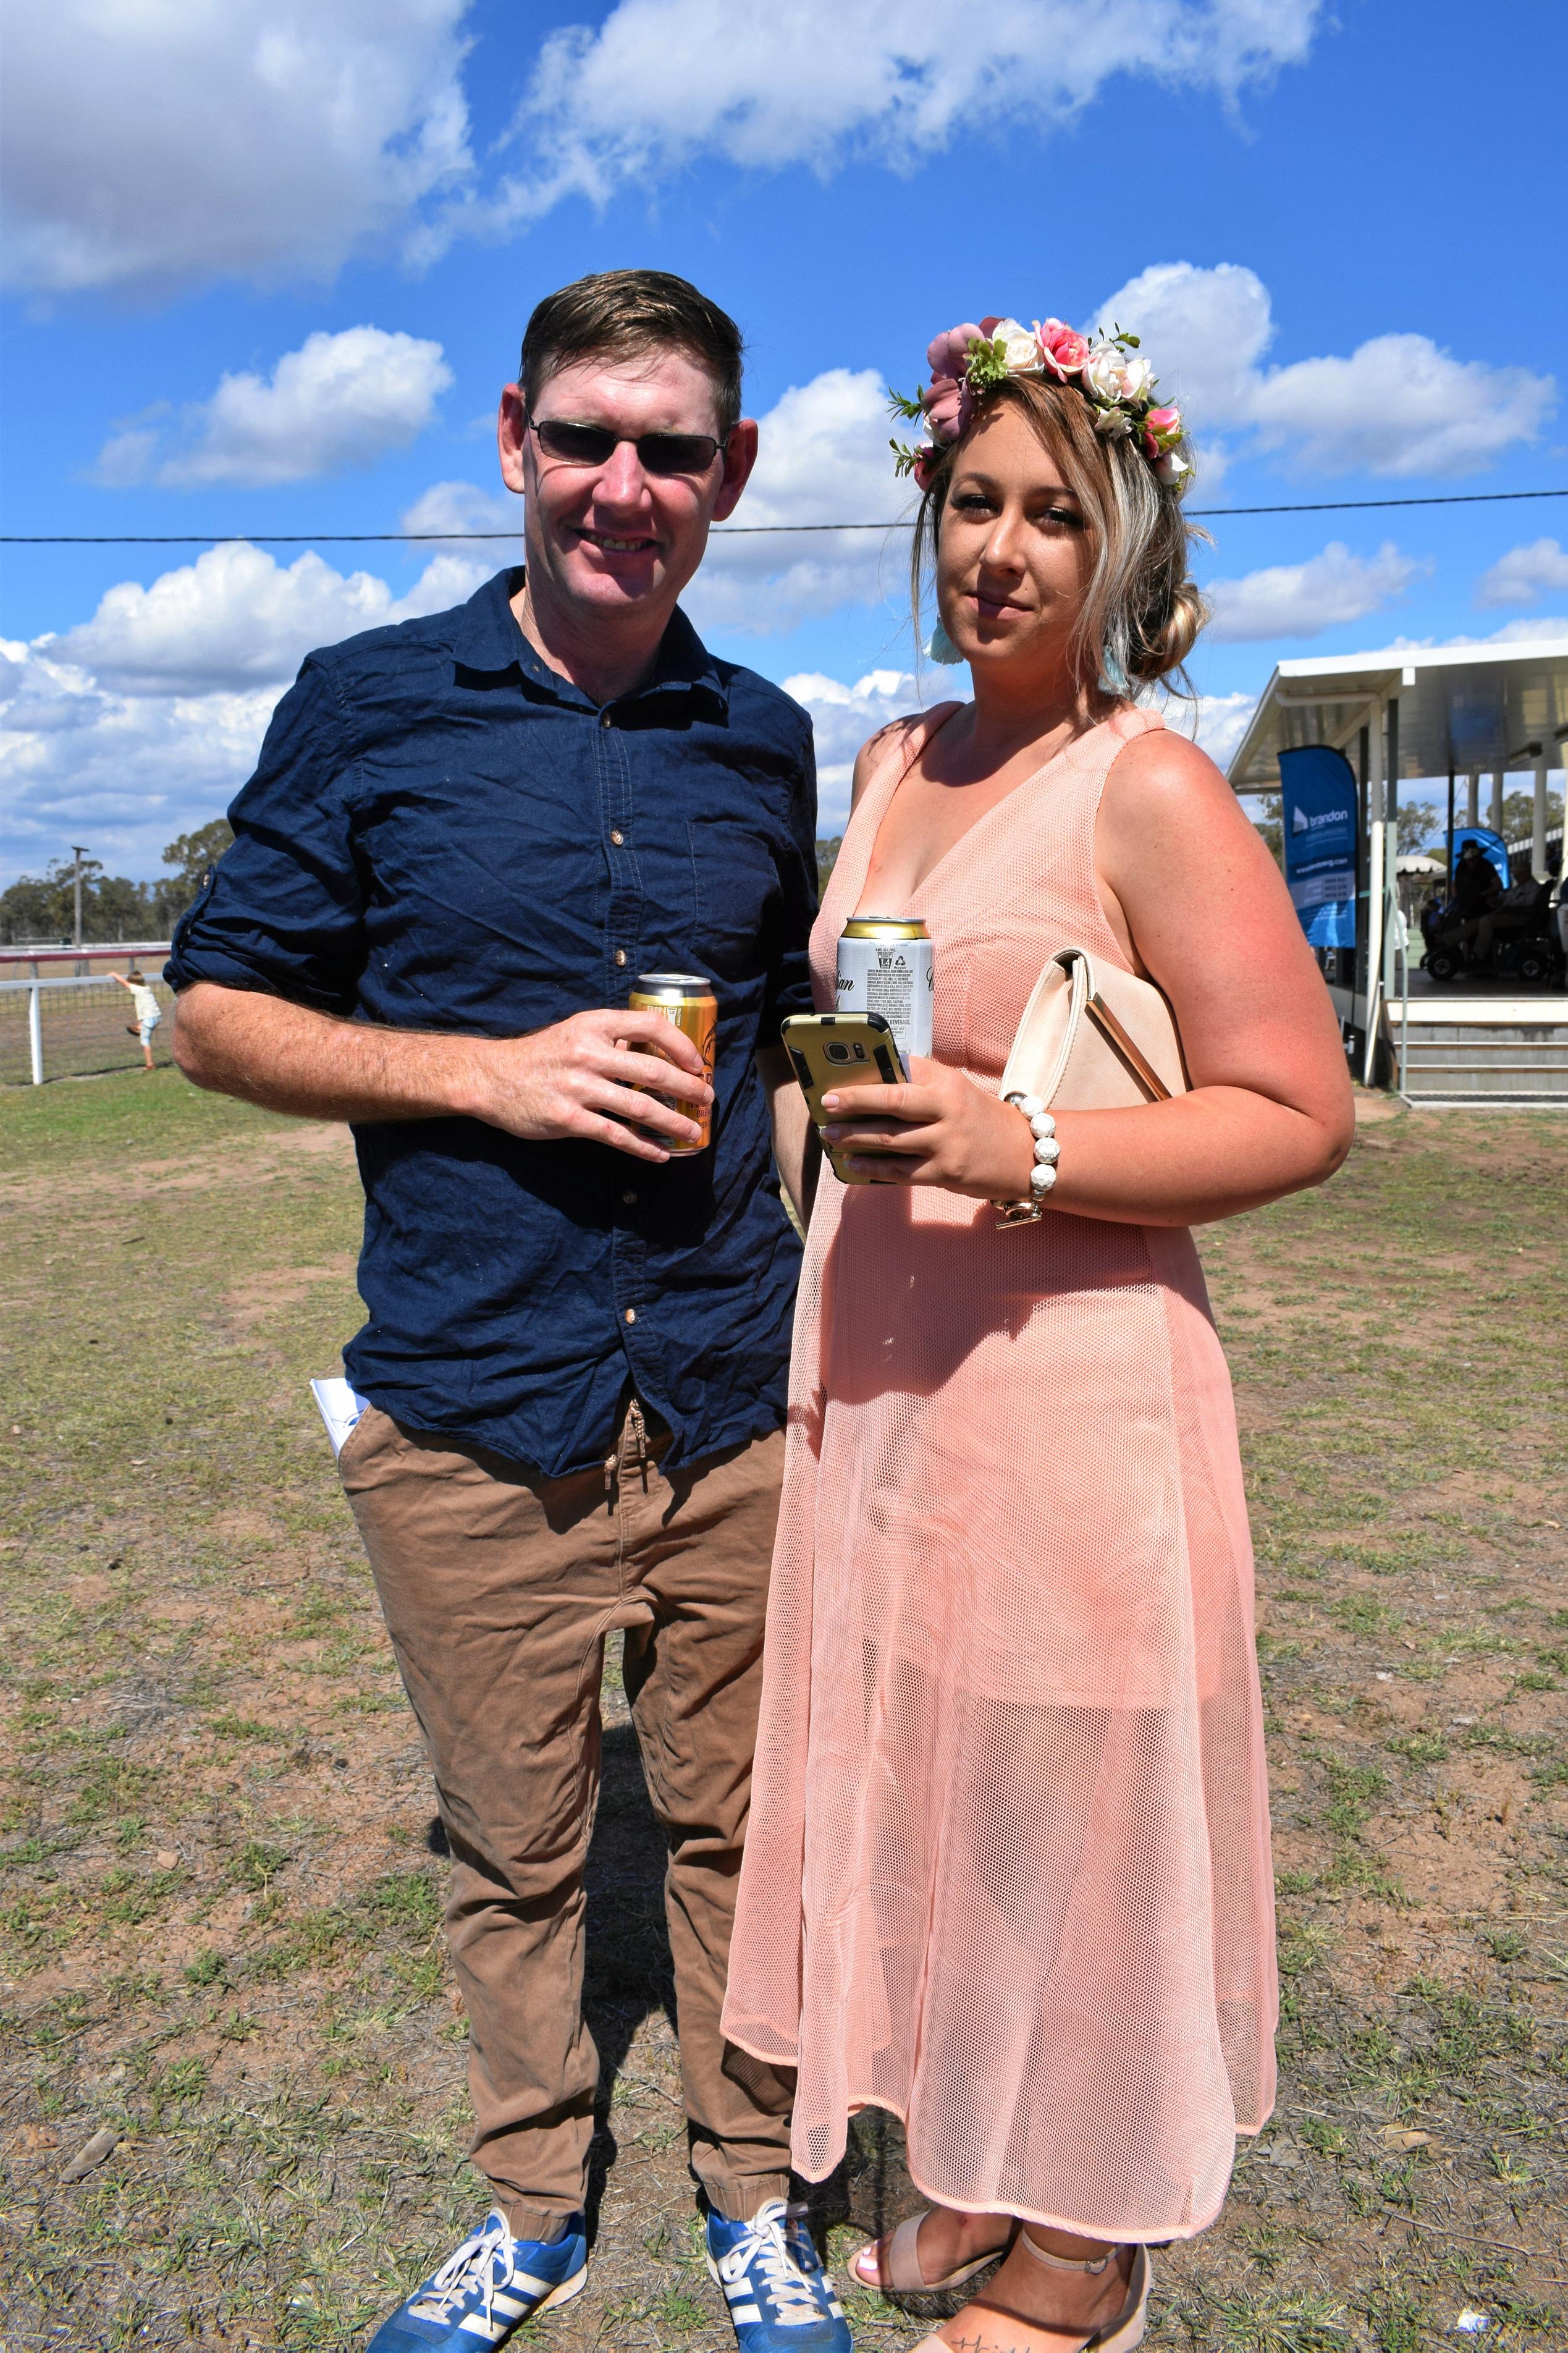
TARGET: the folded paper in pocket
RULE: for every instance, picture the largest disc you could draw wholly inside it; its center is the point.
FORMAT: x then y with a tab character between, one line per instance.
340	1408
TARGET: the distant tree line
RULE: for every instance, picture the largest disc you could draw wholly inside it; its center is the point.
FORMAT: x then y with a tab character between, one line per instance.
43	907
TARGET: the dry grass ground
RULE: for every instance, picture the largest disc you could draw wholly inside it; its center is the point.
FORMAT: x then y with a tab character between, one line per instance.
219	1914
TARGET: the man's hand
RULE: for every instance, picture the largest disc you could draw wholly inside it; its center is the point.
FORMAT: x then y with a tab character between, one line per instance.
579	1078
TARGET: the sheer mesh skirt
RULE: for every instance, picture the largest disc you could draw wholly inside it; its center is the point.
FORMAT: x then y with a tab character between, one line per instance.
1007	1873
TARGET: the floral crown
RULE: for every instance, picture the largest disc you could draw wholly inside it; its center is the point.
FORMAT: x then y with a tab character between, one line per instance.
968	362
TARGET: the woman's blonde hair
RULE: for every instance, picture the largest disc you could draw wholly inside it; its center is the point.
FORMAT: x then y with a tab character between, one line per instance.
1142	612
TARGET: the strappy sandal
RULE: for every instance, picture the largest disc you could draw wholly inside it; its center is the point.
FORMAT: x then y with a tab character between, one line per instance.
1118	2335
902	2273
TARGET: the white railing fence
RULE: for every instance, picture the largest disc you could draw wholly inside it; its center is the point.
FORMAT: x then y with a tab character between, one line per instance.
72	1028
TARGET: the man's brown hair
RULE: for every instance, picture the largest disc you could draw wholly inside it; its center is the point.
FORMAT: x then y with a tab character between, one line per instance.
623	313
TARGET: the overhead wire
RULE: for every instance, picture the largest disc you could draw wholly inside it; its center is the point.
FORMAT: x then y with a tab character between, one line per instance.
721	530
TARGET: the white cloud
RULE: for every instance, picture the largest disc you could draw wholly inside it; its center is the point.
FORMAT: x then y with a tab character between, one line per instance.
269	140
341	400
662	83
824	453
1217	723
460	507
844	716
236	619
1397	406
1540	630
123	772
150	148
1302	600
1519	576
147	719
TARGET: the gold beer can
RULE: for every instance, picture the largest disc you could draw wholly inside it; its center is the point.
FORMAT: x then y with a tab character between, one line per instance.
687	999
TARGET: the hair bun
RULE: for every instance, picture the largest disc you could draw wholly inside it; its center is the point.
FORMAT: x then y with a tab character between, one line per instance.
1170	637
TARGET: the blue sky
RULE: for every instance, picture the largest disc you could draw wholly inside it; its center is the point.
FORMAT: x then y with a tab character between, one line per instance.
269	266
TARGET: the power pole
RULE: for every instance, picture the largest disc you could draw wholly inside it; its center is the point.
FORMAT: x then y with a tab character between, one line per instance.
79	851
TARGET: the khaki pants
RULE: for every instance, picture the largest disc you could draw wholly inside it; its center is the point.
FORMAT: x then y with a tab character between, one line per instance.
499	1586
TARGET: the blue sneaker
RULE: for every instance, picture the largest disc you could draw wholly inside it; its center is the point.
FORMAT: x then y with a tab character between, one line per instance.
489	2287
781	2300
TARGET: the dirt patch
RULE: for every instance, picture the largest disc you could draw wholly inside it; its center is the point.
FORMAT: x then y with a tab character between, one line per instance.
220	1917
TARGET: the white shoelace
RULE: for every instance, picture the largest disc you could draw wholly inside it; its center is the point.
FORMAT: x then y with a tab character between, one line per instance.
460	2272
766	2244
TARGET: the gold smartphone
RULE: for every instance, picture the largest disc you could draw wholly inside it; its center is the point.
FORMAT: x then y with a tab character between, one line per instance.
841	1050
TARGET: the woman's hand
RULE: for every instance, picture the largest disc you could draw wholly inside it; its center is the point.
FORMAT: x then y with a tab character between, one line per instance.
940	1129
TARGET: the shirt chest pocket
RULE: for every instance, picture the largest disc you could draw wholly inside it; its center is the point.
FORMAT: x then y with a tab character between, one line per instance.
736	886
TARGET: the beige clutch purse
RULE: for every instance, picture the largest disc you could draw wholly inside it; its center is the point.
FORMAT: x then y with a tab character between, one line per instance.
1094	1038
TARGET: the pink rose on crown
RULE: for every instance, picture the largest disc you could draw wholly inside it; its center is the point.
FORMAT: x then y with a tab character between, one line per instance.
949	405
1162	430
947	400
1062	349
948	355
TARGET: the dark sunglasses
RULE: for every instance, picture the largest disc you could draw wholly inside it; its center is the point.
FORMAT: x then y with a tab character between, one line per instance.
596	445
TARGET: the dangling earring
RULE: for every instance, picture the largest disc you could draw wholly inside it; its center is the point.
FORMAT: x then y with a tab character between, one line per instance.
941	647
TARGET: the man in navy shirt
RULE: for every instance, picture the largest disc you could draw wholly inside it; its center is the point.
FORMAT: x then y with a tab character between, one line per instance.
466	839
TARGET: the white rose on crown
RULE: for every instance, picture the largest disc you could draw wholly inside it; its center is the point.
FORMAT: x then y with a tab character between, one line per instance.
1137	378
1019	348
1106	372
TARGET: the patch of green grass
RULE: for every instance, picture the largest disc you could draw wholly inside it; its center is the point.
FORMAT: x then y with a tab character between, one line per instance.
1354	1787
122	1121
406	1900
257	1865
1282	2324
1418	1747
1397	2317
1359	1613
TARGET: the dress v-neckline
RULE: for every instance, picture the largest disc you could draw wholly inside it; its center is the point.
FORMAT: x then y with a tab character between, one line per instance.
975	823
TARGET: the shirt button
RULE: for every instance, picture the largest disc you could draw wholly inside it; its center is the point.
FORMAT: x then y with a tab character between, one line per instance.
617	836
620	956
631	1316
605	720
630	1199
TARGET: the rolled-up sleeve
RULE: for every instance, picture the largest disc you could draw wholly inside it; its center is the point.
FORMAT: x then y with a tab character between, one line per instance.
789	974
284	910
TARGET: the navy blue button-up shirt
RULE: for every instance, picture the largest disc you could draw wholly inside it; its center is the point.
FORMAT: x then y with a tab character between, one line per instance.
443	834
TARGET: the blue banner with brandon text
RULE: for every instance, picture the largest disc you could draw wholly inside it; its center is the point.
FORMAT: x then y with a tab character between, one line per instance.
1318	809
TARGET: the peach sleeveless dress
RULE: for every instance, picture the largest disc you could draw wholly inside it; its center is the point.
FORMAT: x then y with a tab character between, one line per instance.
1007	1871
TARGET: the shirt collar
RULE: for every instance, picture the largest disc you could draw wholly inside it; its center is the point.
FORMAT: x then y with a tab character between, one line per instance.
488	638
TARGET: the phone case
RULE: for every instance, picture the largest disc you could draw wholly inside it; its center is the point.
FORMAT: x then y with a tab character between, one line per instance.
834	1049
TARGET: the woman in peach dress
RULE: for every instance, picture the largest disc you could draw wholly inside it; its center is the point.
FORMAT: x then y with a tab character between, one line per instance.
1007	1873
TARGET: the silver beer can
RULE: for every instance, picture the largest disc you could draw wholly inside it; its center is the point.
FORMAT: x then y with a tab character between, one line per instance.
886	966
